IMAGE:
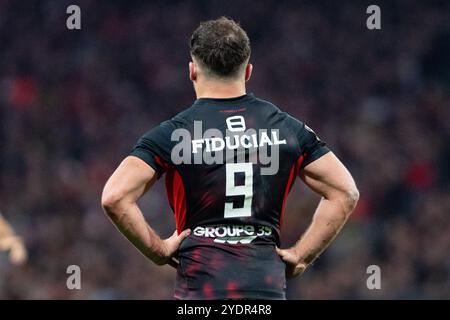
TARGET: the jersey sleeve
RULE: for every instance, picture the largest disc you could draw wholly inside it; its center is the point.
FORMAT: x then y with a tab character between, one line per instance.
311	147
154	147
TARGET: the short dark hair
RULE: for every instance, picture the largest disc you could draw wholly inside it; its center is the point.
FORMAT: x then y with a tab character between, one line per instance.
221	46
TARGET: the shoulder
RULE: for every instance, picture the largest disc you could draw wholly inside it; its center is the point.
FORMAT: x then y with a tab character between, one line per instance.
267	106
183	117
287	120
273	108
166	127
296	128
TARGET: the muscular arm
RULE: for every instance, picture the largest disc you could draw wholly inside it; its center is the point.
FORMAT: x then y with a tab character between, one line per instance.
128	183
328	177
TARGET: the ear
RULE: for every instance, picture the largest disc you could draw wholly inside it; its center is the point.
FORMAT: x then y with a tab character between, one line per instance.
192	71
248	71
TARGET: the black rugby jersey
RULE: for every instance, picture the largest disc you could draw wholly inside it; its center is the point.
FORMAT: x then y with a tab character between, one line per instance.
229	165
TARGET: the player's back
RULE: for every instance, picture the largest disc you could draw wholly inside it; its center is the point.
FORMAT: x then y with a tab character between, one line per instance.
230	164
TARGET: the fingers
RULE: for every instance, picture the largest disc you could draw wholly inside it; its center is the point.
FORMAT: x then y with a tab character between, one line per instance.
183	235
281	252
173	243
293	267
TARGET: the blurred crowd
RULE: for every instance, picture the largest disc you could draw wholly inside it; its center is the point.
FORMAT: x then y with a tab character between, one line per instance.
73	103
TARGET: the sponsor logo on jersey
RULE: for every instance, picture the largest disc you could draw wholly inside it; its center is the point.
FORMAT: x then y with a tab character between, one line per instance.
233	234
238	144
237	141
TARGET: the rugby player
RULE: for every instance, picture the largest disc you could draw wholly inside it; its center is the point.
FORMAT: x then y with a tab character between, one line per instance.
229	162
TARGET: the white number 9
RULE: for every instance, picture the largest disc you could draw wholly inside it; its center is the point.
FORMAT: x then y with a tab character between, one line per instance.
245	190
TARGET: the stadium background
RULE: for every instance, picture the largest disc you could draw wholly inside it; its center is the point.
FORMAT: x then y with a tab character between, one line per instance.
73	103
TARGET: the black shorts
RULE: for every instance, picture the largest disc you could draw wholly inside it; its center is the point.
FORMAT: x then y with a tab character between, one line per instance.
210	270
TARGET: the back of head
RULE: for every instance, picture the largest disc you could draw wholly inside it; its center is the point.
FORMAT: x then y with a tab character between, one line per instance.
221	48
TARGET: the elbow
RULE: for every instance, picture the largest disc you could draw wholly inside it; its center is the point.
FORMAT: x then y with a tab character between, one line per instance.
111	203
351	198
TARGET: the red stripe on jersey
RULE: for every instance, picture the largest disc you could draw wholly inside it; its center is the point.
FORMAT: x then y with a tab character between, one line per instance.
233	110
175	192
160	162
177	198
294	172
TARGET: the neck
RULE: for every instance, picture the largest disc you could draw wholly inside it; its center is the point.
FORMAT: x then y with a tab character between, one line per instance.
220	90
